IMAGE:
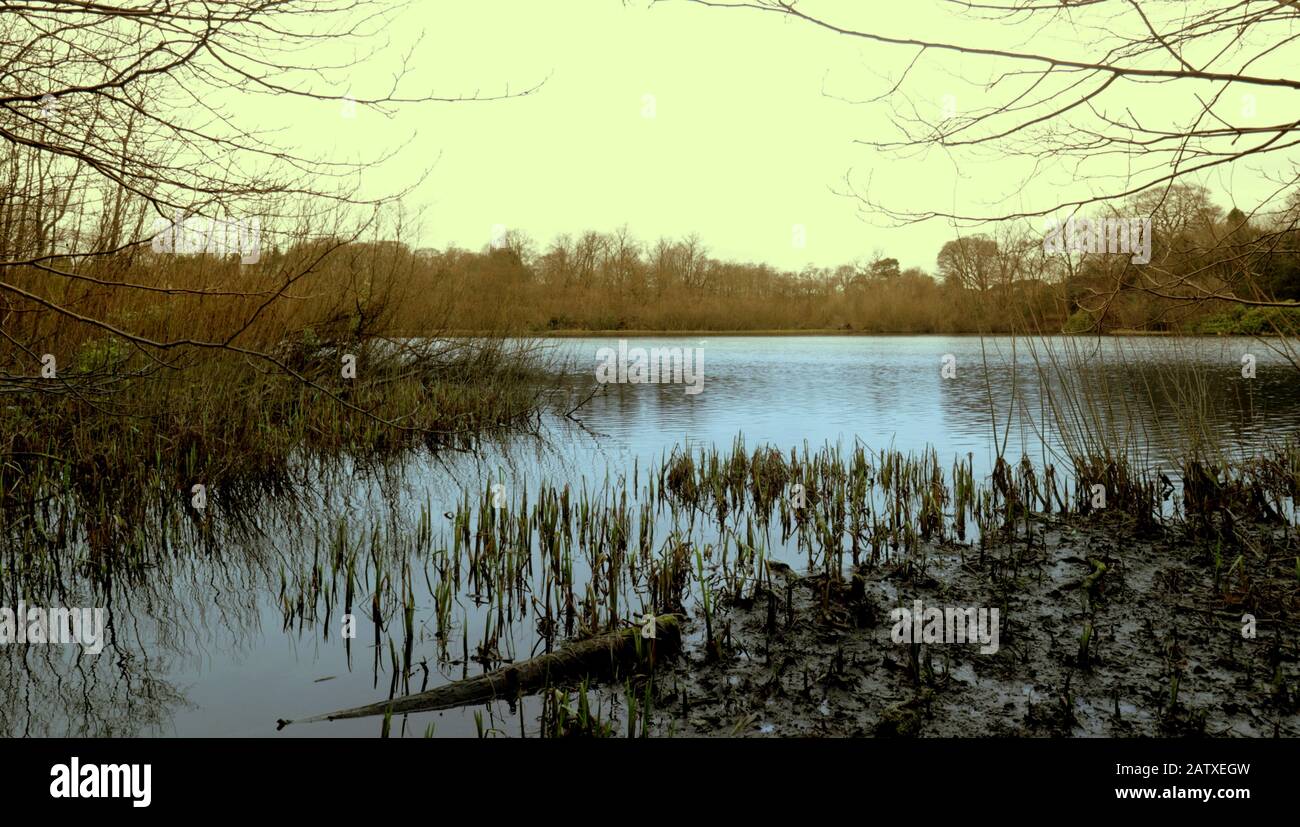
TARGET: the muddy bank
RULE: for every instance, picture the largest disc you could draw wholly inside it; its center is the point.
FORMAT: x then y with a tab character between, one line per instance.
1102	632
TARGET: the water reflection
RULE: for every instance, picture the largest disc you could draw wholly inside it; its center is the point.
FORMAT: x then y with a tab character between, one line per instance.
221	632
888	390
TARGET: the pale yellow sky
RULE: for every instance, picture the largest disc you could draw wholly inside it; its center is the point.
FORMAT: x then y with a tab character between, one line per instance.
678	119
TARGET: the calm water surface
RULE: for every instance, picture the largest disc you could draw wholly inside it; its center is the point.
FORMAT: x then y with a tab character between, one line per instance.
889	391
202	650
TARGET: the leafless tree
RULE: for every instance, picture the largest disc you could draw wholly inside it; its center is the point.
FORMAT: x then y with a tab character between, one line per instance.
1220	71
114	117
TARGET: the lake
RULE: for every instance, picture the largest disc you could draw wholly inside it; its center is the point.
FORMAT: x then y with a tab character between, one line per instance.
211	643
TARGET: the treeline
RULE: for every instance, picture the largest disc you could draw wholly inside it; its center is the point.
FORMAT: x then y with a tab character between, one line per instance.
611	281
1201	258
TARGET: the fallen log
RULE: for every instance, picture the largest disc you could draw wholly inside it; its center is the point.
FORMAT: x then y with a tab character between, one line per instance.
601	656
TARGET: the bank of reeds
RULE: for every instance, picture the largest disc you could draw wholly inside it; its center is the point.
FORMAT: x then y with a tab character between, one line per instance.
509	573
709	529
157	374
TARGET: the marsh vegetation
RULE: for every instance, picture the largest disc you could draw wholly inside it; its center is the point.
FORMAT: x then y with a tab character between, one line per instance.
337	469
782	562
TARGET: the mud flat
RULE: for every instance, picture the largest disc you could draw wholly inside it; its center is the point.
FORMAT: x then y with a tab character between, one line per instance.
1103	632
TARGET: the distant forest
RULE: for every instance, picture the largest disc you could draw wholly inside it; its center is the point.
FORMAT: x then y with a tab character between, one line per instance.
993	282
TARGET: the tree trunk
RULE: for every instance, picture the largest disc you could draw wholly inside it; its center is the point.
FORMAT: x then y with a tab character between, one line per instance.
603	656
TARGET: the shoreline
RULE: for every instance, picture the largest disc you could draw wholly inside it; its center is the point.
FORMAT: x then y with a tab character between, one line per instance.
1089	622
